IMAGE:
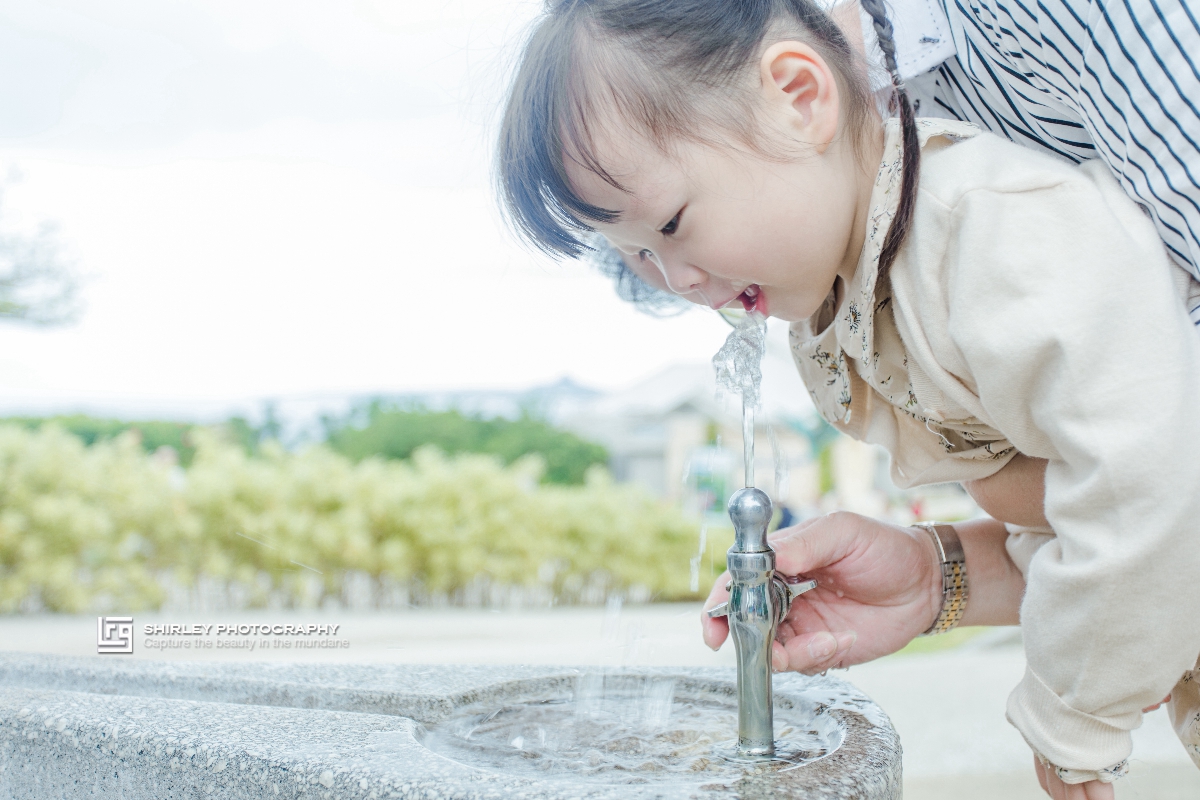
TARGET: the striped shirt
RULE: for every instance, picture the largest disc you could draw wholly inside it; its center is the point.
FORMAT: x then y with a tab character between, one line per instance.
1112	79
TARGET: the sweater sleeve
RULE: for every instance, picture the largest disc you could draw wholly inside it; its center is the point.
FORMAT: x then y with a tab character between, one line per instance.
1062	306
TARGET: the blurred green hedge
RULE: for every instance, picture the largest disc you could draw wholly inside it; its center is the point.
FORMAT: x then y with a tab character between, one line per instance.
108	526
152	434
397	432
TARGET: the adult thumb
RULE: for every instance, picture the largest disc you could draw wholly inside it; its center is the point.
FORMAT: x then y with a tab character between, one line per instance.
816	543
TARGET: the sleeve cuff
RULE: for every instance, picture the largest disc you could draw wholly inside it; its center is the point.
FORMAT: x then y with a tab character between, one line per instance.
1083	747
1083	775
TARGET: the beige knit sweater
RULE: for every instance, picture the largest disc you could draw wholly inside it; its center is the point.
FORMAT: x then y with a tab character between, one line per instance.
1033	309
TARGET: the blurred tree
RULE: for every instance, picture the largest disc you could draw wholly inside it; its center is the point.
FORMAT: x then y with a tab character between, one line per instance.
272	426
37	284
241	431
396	432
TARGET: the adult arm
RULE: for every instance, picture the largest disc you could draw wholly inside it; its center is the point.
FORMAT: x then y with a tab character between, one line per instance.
1070	75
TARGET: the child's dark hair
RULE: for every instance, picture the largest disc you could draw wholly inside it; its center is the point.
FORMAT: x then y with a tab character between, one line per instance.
631	57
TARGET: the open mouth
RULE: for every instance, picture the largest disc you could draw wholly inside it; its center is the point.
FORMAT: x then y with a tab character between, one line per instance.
753	300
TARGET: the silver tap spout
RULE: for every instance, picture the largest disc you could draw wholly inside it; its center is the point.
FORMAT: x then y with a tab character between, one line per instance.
758	602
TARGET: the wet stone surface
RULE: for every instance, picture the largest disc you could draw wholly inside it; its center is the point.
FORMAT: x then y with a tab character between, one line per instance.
626	729
105	728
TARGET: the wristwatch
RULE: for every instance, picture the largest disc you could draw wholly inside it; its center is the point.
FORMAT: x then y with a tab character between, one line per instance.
954	576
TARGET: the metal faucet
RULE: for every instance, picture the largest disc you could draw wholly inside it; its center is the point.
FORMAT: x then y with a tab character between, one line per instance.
758	601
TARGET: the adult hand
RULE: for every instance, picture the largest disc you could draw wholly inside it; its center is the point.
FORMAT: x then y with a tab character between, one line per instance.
1053	786
878	586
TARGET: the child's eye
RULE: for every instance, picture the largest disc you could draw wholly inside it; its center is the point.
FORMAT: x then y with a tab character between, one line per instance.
673	225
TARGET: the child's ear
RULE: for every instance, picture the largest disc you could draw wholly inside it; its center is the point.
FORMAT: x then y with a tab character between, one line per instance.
800	88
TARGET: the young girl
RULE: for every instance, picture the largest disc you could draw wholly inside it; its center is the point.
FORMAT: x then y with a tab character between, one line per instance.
982	311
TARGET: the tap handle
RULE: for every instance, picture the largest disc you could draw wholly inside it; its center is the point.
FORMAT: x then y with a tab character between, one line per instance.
797	586
787	590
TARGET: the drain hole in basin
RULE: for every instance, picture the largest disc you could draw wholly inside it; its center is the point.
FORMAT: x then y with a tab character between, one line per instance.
621	729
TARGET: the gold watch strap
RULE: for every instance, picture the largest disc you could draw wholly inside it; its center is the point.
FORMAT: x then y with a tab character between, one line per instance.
954	576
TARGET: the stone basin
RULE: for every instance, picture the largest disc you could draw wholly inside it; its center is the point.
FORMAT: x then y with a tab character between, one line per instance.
102	727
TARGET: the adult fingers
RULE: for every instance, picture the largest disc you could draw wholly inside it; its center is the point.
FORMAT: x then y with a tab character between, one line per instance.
815	652
816	543
715	630
779	657
791	530
811	653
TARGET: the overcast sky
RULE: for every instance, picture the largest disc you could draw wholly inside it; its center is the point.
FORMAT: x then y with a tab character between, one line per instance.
287	198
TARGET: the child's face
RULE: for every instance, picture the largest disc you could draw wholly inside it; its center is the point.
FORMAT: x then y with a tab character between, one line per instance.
719	225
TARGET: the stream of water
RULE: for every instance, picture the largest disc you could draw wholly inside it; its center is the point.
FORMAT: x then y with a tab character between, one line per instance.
739	371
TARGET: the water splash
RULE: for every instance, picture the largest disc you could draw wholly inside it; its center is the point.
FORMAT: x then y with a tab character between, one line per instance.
739	361
611	627
782	468
739	371
696	559
626	730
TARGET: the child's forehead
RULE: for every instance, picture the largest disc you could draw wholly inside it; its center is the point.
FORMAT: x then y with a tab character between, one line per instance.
643	171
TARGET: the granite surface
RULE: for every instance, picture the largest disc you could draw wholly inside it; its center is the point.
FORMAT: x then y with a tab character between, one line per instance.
103	727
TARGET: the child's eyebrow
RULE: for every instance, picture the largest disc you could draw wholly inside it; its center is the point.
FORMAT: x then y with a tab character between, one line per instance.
652	213
632	225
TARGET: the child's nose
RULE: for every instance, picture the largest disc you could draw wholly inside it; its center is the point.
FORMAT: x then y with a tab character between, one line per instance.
681	277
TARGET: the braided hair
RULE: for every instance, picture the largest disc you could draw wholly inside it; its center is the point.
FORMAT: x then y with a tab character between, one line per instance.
910	145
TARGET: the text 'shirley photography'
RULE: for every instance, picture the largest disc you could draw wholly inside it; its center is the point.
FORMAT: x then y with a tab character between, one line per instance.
242	636
116	635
